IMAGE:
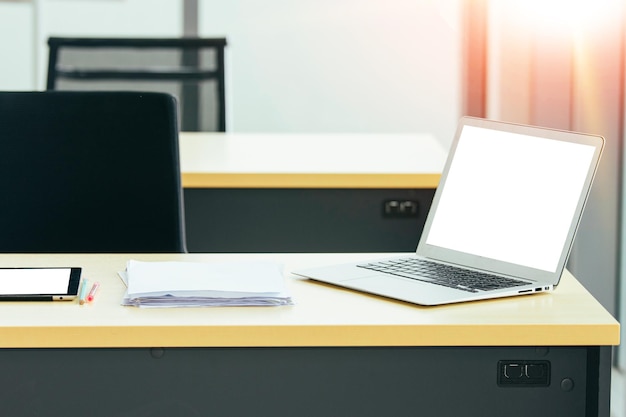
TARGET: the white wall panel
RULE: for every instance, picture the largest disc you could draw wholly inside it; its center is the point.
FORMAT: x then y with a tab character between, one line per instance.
340	66
17	46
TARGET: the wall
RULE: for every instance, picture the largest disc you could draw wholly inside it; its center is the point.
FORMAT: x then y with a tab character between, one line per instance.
17	71
26	25
348	66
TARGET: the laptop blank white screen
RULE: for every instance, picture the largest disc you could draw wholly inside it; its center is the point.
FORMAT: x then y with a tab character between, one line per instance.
510	197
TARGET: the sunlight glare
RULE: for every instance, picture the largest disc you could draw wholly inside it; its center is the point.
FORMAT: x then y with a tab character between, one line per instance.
562	14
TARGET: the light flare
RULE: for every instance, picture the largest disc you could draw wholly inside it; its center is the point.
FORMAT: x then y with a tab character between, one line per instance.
573	15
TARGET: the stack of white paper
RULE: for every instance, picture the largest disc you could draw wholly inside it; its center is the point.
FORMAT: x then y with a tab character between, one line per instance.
195	284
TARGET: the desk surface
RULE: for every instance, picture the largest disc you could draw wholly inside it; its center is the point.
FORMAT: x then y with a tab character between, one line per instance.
322	315
245	160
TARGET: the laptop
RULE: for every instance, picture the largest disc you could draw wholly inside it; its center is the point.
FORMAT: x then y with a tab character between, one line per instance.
502	221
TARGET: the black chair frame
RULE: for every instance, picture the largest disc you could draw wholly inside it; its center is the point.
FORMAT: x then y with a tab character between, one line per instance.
188	71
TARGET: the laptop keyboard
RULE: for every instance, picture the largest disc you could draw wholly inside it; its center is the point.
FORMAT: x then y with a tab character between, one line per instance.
446	275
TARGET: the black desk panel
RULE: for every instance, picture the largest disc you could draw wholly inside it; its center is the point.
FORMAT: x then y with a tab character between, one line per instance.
305	220
299	381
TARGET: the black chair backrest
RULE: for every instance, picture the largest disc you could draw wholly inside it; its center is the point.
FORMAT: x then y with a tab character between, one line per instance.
192	69
90	172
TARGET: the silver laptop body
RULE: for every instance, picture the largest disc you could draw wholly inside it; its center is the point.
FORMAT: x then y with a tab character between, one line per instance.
506	211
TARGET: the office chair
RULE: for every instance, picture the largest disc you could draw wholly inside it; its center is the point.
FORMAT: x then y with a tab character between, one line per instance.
192	69
90	172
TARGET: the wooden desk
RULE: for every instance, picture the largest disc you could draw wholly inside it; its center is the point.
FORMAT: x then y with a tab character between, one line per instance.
335	352
255	192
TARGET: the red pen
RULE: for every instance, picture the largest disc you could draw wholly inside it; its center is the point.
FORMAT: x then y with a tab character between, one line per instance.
92	292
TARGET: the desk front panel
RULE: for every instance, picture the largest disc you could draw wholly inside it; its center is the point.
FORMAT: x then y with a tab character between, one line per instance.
374	381
305	220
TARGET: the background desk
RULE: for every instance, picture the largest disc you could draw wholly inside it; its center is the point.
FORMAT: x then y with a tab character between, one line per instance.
306	192
334	353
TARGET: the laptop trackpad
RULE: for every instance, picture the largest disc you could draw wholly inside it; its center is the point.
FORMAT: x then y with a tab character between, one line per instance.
402	289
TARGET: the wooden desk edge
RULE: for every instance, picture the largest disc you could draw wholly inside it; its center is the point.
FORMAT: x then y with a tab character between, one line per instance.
311	336
305	180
